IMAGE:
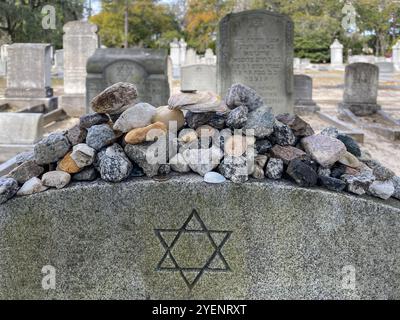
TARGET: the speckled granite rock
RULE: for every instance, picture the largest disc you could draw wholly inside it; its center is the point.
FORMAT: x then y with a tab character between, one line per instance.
92	119
114	165
237	118
262	121
100	136
8	188
115	99
274	169
241	95
113	232
51	148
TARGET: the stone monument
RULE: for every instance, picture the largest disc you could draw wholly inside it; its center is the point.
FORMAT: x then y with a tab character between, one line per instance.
396	55
29	76
58	67
361	89
184	239
303	100
146	68
336	54
256	48
201	77
80	42
386	70
175	58
191	57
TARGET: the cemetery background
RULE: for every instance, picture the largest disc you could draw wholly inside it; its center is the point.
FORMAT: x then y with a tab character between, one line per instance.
183	63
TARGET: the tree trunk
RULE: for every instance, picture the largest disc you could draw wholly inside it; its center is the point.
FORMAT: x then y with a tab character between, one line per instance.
126	25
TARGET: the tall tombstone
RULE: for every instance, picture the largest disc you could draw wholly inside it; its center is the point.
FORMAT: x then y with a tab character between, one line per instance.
191	57
182	52
175	58
396	55
146	68
3	60
209	57
336	54
58	67
256	48
80	42
386	70
303	94
29	75
361	89
201	77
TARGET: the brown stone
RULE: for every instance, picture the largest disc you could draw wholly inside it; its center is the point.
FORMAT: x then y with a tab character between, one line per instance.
76	135
299	127
287	153
67	164
167	116
149	133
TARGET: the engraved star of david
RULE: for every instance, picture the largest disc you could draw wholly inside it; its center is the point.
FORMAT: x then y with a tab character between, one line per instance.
182	261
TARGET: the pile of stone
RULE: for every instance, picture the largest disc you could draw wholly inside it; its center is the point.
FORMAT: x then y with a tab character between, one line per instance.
236	138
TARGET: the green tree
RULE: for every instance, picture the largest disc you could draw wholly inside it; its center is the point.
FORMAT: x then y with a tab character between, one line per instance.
21	20
150	24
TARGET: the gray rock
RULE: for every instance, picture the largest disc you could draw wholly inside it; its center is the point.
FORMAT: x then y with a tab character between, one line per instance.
299	127
164	169
92	119
382	189
148	156
396	185
76	135
282	135
217	121
382	173
179	164
100	136
202	161
330	132
262	121
325	172
26	171
332	184
115	98
56	179
87	174
24	156
351	145
303	174
114	164
358	184
324	149
237	118
31	186
195	120
137	116
51	149
234	169
8	188
274	169
263	146
241	95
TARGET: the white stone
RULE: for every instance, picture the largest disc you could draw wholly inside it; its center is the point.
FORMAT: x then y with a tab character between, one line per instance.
382	189
83	155
137	116
31	186
202	161
336	54
214	177
179	164
56	179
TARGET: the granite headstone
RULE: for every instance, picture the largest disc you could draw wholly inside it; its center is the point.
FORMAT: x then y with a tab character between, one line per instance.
201	77
256	48
146	68
361	89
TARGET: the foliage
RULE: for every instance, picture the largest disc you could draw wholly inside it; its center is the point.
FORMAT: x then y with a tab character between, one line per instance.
150	24
21	21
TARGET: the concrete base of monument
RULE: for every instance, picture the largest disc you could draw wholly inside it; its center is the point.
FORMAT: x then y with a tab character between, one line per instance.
23	103
185	239
360	109
304	109
73	105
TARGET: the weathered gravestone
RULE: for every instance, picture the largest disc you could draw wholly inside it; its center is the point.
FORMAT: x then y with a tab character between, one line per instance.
303	88
336	54
386	70
184	239
361	89
201	77
256	48
146	68
80	42
58	67
29	75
